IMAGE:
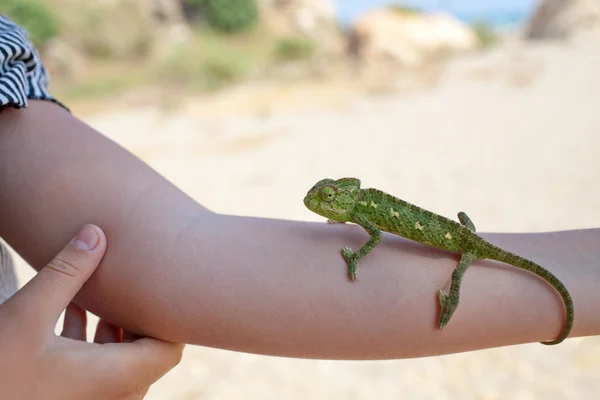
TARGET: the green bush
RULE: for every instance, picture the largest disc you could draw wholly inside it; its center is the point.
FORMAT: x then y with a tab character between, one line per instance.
34	16
294	48
206	65
217	72
197	4
232	15
404	9
486	34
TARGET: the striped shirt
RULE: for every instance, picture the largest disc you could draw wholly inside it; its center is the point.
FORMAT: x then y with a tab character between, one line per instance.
22	77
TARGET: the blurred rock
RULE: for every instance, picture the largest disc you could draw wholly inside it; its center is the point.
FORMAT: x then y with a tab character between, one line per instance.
170	24
64	61
315	19
559	19
122	29
408	39
166	11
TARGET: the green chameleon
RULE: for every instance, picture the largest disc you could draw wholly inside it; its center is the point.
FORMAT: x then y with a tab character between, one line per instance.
343	201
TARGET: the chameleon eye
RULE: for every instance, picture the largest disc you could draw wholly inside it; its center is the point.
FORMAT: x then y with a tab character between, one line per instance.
327	194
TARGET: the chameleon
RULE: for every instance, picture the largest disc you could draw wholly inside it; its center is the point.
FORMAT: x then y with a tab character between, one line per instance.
343	200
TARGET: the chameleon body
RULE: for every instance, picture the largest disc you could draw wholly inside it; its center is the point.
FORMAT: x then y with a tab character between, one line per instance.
343	200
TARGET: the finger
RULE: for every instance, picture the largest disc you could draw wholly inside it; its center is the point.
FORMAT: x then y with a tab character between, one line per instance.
147	360
108	333
130	336
133	368
43	298
74	326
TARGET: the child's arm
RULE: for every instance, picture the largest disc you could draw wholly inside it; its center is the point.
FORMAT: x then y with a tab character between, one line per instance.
176	271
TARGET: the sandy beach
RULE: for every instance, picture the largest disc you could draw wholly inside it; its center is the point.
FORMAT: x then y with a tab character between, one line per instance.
510	135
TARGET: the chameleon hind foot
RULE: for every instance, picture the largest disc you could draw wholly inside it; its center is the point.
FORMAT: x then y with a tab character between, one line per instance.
448	306
352	261
449	300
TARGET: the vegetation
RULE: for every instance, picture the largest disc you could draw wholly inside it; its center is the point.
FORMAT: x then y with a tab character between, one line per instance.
213	60
231	15
109	47
35	16
404	9
207	71
486	33
294	48
227	16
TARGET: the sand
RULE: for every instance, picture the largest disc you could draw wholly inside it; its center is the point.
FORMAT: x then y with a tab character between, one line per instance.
511	136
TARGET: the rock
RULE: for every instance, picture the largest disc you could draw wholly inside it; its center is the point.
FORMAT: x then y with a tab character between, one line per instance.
64	61
408	39
560	19
171	27
290	17
143	27
314	19
169	12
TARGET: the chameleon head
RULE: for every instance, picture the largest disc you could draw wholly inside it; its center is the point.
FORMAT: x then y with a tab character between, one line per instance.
333	199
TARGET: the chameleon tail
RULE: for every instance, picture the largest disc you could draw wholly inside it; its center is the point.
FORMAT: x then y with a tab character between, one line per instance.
498	254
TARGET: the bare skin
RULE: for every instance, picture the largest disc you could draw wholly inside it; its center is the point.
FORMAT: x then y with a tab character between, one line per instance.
113	367
178	272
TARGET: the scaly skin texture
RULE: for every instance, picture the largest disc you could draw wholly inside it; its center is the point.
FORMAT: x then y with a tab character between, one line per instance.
343	201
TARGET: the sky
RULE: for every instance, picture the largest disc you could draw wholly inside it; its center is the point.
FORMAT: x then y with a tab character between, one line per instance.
465	9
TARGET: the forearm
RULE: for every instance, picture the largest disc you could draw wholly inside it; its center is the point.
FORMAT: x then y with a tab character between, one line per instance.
174	270
281	287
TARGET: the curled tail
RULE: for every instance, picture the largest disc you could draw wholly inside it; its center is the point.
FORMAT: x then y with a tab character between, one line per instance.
496	253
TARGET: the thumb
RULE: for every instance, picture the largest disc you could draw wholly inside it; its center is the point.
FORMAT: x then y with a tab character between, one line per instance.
47	295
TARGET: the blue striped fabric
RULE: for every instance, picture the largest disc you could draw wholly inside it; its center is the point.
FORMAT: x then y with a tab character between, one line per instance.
8	277
23	75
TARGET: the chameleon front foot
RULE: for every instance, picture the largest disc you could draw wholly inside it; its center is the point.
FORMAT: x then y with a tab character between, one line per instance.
448	305
352	261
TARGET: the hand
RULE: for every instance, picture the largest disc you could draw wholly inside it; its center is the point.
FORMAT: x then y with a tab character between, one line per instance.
37	364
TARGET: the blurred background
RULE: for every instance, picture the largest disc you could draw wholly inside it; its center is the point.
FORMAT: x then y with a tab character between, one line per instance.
485	106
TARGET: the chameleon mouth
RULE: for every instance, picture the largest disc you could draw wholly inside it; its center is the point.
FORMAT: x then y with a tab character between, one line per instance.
307	202
315	205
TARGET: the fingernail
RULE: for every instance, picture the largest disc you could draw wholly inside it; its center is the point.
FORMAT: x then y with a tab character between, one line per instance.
86	239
